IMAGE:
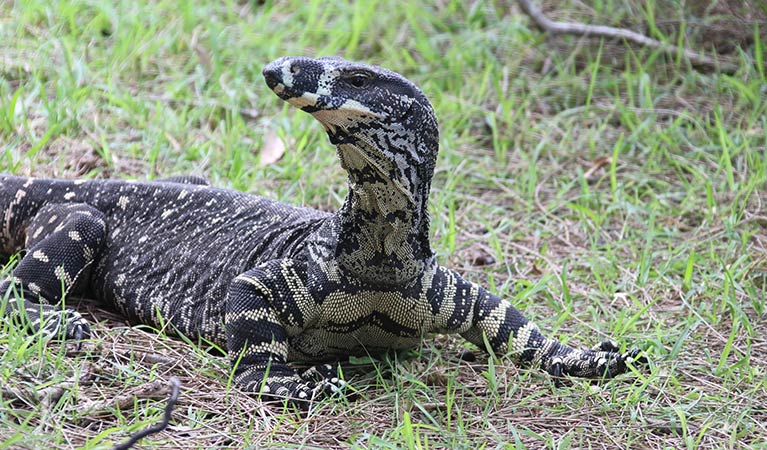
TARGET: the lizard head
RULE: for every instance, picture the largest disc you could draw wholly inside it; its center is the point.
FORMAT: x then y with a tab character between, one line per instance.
379	119
341	93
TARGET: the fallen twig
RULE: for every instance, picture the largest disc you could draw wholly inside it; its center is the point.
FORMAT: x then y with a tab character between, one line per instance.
175	386
47	396
581	29
151	390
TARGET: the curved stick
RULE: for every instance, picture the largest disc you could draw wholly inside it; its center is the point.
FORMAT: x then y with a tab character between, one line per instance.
580	29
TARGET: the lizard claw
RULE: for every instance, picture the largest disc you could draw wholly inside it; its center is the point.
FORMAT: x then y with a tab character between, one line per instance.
555	369
606	346
635	356
328	381
80	332
77	328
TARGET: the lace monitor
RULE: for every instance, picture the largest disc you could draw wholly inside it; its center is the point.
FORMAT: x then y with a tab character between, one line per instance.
271	282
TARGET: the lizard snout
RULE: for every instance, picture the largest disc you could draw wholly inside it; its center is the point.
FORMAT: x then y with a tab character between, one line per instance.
272	74
280	76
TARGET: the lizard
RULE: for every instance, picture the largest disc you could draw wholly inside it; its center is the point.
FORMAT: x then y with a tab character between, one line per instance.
272	283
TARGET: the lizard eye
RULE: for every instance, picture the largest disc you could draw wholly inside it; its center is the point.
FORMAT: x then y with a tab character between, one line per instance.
359	80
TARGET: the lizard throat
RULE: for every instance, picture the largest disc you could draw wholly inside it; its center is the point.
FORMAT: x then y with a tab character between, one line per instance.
384	221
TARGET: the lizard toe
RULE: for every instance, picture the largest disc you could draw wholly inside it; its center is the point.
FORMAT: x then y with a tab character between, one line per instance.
320	372
636	357
555	368
294	390
78	330
329	381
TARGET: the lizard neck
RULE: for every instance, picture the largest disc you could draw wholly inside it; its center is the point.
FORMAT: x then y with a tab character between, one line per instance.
384	222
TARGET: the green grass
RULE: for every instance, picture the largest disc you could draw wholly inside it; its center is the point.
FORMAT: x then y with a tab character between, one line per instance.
615	192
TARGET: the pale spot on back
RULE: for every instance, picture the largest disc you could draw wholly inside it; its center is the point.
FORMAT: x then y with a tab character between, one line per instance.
40	256
62	275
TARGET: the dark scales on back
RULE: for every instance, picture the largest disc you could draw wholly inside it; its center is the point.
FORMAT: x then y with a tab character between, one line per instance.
272	282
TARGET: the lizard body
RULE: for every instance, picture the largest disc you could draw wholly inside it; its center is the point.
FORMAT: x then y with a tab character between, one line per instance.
270	282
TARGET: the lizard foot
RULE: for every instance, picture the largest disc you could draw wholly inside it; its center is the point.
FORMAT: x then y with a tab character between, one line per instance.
603	361
315	383
66	323
275	385
53	321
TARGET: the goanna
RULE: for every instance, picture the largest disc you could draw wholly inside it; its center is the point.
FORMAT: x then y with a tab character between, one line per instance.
270	282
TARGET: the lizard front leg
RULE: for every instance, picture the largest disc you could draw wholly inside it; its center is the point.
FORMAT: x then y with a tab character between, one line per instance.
62	242
265	307
482	315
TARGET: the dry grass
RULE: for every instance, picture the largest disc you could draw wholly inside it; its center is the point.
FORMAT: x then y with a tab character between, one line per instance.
605	190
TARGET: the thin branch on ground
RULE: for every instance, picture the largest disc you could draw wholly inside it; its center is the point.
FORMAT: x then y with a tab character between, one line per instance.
47	396
581	29
152	390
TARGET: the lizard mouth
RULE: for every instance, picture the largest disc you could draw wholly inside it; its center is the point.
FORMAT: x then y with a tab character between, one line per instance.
273	77
282	91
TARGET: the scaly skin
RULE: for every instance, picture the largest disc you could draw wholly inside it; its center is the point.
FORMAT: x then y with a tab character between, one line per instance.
272	282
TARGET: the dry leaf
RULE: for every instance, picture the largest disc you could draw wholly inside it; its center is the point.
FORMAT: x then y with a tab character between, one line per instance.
273	148
202	54
249	113
479	258
597	164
